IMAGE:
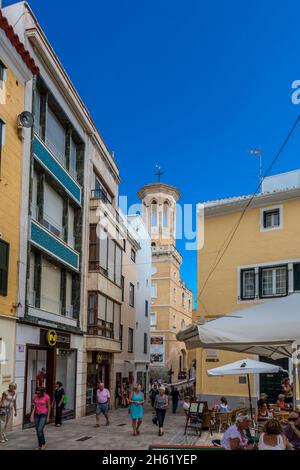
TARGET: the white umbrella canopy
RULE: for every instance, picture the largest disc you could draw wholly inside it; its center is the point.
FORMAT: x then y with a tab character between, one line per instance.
245	366
266	329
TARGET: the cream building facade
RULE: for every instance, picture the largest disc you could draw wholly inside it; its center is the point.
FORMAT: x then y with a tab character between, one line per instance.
261	262
172	300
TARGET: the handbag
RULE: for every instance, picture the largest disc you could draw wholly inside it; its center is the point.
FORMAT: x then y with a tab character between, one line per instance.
154	420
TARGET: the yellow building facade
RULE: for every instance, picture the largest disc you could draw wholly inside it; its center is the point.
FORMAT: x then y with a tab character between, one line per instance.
261	262
13	75
172	300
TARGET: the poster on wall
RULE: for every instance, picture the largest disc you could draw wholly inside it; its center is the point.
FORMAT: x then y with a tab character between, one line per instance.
157	350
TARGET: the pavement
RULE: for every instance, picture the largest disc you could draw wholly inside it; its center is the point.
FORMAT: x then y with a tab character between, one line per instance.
81	434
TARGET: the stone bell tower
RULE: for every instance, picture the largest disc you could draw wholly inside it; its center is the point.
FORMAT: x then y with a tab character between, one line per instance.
159	212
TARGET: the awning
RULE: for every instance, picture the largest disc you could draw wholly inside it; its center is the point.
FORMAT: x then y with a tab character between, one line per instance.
267	329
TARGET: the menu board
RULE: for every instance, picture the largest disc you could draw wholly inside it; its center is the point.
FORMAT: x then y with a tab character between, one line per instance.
157	350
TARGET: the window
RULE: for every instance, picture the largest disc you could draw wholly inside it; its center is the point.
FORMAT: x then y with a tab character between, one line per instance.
154	210
145	343
154	291
121	336
273	281
2	134
174	321
190	305
132	255
146	308
182	324
247	284
94	249
53	211
55	136
73	158
103	316
166	210
4	261
124	244
130	340
182	299
297	277
131	295
122	287
101	192
153	319
2	72
105	255
271	218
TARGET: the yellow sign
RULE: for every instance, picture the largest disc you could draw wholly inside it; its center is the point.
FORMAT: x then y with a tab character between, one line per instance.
51	337
99	357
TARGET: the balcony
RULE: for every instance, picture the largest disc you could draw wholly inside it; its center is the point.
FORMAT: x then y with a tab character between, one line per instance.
54	165
48	242
99	194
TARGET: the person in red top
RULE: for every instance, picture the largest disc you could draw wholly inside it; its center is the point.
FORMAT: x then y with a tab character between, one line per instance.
281	403
40	414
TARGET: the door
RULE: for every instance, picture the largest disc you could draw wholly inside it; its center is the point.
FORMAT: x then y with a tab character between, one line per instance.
271	383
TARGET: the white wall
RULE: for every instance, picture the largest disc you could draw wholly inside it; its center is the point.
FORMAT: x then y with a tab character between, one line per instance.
143	289
287	180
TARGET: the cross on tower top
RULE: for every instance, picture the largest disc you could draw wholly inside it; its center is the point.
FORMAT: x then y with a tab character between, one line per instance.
159	172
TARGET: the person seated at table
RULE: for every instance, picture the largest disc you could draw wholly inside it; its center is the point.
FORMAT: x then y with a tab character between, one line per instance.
234	438
223	407
262	413
263	399
292	429
287	388
281	402
272	437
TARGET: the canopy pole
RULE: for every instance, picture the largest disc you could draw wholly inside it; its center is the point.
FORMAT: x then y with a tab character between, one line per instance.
294	385
249	393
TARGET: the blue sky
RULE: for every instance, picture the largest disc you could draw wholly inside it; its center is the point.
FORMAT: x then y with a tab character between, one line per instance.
188	85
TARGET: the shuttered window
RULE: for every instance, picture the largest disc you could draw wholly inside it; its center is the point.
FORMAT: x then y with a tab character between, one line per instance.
4	261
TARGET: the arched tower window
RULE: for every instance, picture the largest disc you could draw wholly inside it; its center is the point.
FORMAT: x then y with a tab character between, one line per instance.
166	214
154	209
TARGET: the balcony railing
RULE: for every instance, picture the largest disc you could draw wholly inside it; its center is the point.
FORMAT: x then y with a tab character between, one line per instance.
99	194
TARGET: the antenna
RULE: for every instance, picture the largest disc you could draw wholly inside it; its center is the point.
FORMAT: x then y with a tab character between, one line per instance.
257	152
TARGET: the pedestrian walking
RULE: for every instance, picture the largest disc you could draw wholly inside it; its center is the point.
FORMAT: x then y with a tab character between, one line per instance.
58	402
152	394
40	415
9	405
175	398
102	399
161	404
136	408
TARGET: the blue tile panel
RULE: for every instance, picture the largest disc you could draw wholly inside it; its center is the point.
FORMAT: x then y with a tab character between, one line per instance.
47	242
48	161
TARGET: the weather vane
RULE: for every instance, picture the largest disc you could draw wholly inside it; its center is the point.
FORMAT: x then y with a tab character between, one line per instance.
159	172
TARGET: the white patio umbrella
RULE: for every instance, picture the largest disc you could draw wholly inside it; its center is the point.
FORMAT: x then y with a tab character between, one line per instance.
245	367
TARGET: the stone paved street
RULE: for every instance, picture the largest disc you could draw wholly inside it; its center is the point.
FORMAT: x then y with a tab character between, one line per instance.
80	434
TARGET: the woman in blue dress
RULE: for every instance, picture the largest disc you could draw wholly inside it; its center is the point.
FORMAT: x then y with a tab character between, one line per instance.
136	408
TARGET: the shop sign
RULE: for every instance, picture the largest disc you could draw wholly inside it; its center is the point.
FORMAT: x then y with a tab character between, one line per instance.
55	339
99	357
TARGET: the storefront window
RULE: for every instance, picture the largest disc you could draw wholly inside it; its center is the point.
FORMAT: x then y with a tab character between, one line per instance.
66	373
36	375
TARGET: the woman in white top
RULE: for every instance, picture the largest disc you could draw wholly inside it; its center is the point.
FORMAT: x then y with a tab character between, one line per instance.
9	401
272	437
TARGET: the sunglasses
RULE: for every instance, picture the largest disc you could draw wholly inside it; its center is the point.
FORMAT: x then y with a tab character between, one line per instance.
293	419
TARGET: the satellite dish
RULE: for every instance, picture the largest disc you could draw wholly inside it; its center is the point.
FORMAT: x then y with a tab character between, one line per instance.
25	119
